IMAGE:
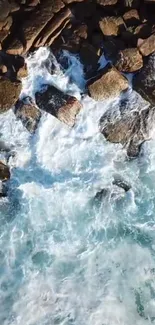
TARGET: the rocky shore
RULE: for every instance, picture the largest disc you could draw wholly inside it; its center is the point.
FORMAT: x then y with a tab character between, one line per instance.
121	30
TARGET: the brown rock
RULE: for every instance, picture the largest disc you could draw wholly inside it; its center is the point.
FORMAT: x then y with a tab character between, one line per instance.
5	9
147	47
131	17
38	21
129	60
3	35
110	26
9	93
60	105
107	2
131	3
55	24
81	31
4	172
15	47
3	68
108	84
22	72
6	24
28	113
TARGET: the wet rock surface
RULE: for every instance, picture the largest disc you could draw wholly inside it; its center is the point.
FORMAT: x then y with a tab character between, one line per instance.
104	86
60	105
9	93
28	113
128	122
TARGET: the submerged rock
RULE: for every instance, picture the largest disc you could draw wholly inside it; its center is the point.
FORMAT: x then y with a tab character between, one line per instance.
109	83
58	104
144	81
4	172
128	122
9	93
121	182
28	113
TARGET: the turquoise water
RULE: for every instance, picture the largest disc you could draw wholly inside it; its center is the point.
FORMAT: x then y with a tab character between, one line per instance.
65	258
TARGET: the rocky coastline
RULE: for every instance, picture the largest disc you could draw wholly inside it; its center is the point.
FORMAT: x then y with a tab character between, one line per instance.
121	30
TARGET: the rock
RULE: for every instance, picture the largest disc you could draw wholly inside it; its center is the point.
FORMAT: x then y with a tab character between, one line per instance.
143	31
58	104
15	47
9	93
128	122
131	3
28	113
108	84
4	172
121	182
107	2
22	72
3	190
131	17
70	1
54	26
38	20
112	47
89	57
129	60
81	31
111	26
3	69
147	46
144	81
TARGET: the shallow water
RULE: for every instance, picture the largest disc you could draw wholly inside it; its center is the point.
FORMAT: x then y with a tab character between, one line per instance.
66	259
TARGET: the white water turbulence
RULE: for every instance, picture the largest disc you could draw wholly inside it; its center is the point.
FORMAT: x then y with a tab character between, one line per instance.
66	259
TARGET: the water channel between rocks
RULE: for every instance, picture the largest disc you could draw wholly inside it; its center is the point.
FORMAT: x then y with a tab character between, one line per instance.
65	259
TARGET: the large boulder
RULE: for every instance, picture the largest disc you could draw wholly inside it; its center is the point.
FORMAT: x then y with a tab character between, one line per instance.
111	26
28	113
4	172
144	81
128	122
9	93
58	104
147	46
129	60
109	83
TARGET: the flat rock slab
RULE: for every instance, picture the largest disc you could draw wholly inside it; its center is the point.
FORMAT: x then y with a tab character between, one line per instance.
9	93
28	113
4	172
108	84
62	106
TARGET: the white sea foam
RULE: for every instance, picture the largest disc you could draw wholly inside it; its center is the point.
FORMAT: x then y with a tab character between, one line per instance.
64	258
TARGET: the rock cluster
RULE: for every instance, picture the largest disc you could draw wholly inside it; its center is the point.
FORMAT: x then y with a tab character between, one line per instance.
122	30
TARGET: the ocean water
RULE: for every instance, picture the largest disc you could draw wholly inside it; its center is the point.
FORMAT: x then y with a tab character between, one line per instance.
66	259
